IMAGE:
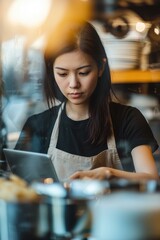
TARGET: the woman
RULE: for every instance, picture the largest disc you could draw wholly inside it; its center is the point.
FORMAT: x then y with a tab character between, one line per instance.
88	135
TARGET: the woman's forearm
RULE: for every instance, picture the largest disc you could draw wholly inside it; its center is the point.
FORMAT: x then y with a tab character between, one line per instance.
114	173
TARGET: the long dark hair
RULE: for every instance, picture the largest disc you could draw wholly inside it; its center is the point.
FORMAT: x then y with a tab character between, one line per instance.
85	38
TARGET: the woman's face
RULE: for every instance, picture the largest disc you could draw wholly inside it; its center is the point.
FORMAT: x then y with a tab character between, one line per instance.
76	75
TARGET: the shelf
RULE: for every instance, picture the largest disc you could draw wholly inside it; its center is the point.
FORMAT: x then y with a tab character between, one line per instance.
135	76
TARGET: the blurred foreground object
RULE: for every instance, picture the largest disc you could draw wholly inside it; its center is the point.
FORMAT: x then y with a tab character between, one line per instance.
22	214
36	19
15	189
127	216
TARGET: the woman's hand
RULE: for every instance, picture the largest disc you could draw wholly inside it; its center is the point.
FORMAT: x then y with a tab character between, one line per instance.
100	173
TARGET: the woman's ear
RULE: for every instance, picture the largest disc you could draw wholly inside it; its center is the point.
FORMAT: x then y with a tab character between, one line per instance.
102	67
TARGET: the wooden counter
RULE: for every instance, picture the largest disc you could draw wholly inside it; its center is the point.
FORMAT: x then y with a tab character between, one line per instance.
135	76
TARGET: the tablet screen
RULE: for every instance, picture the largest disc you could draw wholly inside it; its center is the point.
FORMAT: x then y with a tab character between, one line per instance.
30	166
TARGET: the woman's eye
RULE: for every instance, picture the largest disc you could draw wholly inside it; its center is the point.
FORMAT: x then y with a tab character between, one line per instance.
62	74
84	73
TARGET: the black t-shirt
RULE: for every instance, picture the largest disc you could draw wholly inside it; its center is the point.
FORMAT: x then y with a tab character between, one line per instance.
130	129
74	138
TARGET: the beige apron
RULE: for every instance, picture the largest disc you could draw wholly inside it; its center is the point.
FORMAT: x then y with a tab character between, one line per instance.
66	164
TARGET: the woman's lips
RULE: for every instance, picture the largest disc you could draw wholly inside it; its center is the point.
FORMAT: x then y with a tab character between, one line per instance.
75	95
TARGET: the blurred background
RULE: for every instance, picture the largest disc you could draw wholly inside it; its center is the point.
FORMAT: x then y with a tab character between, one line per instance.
129	29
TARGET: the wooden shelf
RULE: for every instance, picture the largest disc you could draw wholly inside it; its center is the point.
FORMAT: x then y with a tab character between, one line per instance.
135	76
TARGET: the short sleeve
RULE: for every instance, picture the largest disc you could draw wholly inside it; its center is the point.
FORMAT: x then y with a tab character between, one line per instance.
137	130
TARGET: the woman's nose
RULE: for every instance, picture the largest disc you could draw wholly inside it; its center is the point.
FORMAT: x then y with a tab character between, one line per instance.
74	82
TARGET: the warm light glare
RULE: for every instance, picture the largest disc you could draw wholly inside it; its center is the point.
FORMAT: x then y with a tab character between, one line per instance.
30	13
140	26
43	22
157	30
48	180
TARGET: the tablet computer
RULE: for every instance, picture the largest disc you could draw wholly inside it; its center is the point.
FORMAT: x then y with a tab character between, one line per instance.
30	166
